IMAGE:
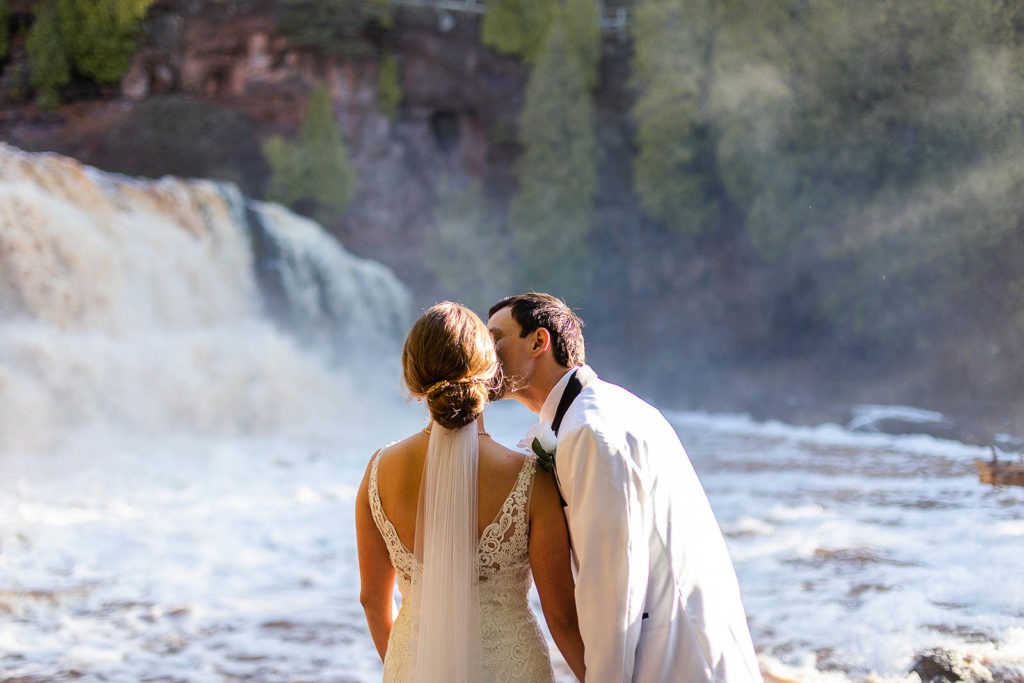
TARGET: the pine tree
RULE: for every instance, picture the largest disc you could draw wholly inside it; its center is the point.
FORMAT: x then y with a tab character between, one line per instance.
552	214
316	167
389	90
670	72
48	58
583	32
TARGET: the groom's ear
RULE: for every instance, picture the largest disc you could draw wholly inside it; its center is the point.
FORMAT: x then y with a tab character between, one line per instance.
541	341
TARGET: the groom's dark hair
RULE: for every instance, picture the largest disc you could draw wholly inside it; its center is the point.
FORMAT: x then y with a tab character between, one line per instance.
534	310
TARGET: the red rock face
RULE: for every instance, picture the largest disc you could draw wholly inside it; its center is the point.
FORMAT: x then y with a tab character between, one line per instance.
239	80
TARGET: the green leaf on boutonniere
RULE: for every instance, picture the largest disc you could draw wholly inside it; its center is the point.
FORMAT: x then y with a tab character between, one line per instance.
545	458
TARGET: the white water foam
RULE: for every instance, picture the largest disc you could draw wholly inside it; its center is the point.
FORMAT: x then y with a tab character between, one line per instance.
134	306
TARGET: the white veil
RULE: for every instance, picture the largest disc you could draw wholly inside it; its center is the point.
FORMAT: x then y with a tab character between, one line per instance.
446	598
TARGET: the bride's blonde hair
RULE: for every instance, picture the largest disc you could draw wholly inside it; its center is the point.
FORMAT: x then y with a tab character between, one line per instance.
449	360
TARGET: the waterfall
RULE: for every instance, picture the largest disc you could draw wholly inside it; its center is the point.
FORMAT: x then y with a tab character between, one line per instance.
173	305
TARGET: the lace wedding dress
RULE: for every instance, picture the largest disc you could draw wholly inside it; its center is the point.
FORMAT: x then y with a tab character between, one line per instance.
513	645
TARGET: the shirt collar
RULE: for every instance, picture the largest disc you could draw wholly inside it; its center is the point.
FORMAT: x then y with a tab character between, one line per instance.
547	411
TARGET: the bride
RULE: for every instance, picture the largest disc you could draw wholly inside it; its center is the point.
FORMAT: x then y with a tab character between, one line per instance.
478	518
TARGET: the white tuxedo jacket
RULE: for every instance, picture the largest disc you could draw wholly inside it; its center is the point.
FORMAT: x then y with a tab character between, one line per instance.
656	591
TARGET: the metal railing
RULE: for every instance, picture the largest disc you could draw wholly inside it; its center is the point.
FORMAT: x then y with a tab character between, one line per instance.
611	21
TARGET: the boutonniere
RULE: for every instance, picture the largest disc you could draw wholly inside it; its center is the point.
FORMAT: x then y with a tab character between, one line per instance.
541	440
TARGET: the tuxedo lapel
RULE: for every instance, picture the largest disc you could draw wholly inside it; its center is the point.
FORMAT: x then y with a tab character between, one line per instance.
580	378
572	390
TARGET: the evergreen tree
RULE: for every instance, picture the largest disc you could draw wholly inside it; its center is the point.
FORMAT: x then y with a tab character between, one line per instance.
389	90
552	214
583	32
671	71
48	58
316	167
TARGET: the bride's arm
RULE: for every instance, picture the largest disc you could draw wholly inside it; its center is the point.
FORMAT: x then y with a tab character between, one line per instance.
376	573
552	572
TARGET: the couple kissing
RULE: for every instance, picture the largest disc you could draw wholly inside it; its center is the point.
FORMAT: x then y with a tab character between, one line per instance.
634	579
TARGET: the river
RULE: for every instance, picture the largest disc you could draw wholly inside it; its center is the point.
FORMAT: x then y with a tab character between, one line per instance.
192	383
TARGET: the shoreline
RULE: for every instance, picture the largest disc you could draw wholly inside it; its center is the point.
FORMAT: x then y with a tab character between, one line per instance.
859	407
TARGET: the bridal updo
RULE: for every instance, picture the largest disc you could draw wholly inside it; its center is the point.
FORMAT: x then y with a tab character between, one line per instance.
449	360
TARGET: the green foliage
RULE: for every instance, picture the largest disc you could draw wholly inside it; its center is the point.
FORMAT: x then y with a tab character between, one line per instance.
389	90
671	71
871	150
892	171
99	35
95	37
581	19
518	27
552	214
337	27
47	58
884	101
316	167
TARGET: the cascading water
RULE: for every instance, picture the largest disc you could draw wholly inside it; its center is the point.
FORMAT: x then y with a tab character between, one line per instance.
169	305
191	383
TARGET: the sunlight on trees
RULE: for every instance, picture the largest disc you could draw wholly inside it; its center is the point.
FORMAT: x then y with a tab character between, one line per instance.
518	27
48	58
671	75
581	19
93	38
868	150
895	174
99	35
552	214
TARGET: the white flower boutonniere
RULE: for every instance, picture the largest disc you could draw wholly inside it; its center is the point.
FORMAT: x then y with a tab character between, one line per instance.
541	439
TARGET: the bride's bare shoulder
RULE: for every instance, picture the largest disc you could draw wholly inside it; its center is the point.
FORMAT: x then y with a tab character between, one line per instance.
399	451
502	456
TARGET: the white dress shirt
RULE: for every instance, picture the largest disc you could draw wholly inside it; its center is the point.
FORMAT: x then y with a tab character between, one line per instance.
656	592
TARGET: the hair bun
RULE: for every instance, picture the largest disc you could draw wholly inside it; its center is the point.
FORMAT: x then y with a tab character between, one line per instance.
456	404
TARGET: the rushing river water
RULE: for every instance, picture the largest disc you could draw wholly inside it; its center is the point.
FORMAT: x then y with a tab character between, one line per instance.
234	559
191	384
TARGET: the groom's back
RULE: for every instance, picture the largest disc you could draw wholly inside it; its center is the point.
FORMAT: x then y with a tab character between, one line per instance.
693	601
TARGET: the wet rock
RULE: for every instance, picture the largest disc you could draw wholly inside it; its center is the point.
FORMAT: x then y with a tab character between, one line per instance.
944	666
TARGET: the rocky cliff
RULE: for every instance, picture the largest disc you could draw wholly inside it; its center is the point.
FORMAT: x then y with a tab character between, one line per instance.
212	80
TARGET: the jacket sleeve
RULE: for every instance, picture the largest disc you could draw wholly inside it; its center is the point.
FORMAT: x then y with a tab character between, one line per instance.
602	489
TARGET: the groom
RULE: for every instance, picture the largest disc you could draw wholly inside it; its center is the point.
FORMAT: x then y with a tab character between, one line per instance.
656	592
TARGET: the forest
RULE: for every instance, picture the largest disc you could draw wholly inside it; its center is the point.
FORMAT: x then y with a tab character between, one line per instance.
807	198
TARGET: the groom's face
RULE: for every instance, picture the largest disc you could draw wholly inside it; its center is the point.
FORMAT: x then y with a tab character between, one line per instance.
513	350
